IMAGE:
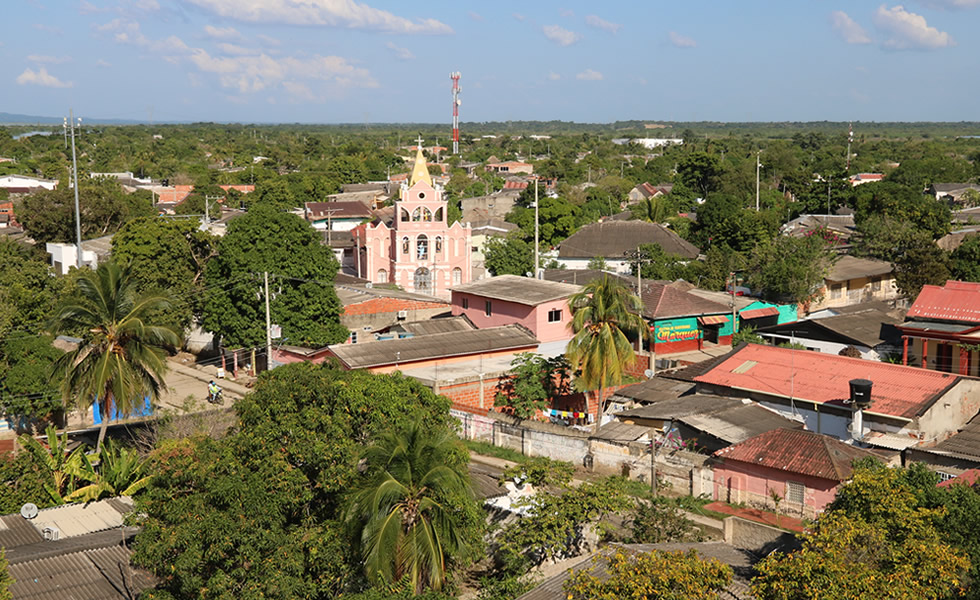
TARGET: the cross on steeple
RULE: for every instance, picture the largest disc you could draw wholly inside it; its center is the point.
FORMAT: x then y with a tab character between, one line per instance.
419	141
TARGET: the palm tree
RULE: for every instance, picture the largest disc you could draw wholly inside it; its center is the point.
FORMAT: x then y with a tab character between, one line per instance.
122	356
404	508
602	313
120	472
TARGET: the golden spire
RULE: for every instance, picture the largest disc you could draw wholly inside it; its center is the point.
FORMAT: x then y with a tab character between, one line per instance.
420	172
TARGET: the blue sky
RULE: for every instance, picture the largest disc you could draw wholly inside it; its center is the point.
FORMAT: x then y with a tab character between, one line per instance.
331	61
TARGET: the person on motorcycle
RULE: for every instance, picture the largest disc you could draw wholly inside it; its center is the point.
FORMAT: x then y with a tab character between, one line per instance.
213	391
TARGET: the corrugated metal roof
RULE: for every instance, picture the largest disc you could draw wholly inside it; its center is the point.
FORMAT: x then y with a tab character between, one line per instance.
433	326
617	431
439	345
850	267
663	301
16	531
823	378
79	519
521	290
101	574
656	389
964	444
797	451
955	301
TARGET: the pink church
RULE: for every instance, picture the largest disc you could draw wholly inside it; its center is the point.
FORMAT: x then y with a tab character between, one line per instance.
419	252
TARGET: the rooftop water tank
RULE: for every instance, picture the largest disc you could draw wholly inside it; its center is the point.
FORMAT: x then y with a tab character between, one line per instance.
861	393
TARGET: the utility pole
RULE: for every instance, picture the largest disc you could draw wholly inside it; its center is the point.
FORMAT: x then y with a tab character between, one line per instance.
207	211
537	258
69	125
850	138
268	325
733	306
329	212
758	165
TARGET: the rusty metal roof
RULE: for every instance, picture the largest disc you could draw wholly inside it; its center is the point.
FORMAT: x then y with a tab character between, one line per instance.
797	451
97	574
955	301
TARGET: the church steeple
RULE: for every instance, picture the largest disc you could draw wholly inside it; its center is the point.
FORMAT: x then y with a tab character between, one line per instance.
420	172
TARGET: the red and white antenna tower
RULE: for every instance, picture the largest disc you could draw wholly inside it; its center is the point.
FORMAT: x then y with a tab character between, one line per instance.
456	90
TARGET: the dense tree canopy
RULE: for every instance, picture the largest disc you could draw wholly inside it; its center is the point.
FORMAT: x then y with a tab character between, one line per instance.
301	272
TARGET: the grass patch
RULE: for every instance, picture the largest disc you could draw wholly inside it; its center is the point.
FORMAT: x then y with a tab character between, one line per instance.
495	451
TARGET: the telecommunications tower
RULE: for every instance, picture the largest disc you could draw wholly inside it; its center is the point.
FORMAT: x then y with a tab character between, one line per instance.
456	90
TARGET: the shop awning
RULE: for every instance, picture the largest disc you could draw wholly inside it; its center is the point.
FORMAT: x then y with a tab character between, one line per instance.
713	320
758	313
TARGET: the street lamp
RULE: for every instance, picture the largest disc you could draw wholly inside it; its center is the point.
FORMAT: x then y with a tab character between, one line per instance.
69	126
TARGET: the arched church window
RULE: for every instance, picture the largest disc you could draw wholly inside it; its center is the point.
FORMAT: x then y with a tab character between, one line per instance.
423	281
417	214
439	244
457	276
404	216
426	214
438	216
382	276
405	245
422	247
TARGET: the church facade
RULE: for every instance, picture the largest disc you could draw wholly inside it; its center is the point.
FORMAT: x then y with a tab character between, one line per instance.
419	251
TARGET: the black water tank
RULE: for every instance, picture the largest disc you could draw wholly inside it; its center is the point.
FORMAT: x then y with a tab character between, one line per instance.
861	392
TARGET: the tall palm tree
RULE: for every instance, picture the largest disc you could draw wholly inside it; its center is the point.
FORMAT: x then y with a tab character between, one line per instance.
122	356
602	313
404	508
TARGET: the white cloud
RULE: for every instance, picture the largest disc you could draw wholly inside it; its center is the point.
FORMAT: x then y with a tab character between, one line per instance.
103	63
236	50
848	29
554	76
908	30
268	39
222	33
255	73
400	53
128	32
518	16
85	8
54	60
950	4
560	35
475	16
41	77
335	13
600	23
589	75
299	91
681	41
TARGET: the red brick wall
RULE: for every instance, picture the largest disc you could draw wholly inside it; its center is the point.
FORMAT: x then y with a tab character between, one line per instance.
466	396
390	305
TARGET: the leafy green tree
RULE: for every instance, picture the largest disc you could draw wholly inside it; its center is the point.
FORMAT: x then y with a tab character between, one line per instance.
699	171
508	256
722	219
790	268
604	312
966	259
27	387
902	204
652	576
533	381
597	263
877	539
656	209
268	499
404	508
917	174
657	264
921	262
541	471
301	272
49	215
167	256
23	480
5	579
658	521
557	219
719	263
554	525
121	471
273	193
122	356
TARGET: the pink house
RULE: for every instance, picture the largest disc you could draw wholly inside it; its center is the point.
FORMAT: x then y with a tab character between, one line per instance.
539	305
420	252
803	467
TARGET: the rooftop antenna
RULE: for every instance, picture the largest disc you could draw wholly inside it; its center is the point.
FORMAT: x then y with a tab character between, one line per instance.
456	90
850	138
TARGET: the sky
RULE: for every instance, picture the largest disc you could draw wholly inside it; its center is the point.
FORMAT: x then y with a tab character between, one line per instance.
380	61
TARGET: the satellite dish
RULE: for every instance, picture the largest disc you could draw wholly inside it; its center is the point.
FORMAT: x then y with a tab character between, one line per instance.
28	511
648	373
529	274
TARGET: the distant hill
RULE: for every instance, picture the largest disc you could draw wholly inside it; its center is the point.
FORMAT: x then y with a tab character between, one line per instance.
16	119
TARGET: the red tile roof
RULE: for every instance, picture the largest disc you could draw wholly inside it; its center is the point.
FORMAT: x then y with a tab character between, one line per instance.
661	301
968	477
797	451
955	301
823	379
337	210
515	185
